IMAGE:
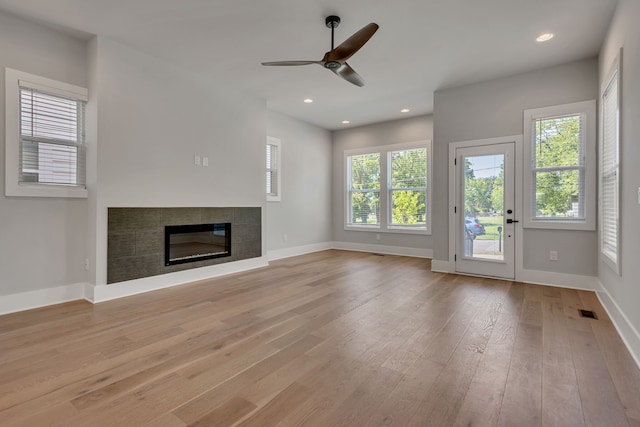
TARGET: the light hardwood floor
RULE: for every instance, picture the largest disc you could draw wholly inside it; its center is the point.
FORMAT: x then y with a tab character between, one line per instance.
331	338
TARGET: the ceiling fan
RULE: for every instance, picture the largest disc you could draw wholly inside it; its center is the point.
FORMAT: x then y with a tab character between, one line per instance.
335	59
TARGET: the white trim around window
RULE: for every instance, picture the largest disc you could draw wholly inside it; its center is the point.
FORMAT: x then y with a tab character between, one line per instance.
609	218
274	169
45	140
580	214
384	189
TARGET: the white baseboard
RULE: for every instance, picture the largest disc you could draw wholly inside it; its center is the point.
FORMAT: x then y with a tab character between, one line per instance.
384	249
439	266
629	334
298	250
549	278
41	298
147	284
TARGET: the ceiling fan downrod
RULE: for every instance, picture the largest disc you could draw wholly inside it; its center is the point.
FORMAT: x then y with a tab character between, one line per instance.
332	22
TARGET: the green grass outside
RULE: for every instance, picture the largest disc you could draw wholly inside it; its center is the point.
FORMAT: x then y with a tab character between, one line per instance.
491	224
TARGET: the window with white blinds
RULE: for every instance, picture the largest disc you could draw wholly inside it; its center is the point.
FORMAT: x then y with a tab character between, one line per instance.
273	169
560	166
45	137
52	146
610	169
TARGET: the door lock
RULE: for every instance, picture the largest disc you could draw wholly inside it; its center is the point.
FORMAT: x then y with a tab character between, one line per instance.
511	221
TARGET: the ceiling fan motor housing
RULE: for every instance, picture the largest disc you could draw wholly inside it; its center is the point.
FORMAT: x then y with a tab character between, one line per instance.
332	21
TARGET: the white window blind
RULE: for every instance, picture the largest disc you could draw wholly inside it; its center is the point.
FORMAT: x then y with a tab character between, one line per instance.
52	142
272	171
609	175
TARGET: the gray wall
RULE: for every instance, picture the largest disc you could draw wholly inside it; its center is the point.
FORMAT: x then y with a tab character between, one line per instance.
495	108
624	289
387	133
303	213
42	240
152	119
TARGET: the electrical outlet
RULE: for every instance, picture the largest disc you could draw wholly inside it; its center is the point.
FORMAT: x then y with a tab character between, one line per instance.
196	160
553	255
285	237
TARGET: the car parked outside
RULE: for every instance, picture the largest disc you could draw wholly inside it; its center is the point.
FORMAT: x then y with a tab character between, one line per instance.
474	228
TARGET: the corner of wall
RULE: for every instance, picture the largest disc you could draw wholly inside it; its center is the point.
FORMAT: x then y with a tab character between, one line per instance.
628	333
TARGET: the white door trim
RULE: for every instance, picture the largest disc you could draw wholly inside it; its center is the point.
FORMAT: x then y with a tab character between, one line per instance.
518	168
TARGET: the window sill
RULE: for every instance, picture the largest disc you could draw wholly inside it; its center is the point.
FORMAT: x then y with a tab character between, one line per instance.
45	191
391	230
583	225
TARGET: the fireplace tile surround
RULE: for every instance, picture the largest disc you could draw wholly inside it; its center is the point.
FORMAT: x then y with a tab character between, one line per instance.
135	238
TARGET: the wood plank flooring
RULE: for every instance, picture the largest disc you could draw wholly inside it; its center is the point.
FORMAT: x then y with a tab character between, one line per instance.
328	339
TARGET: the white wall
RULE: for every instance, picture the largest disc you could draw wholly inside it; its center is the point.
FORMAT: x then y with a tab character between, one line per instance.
386	133
304	212
42	241
153	118
495	108
621	294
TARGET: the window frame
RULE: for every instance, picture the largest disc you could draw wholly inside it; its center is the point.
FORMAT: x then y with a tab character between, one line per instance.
588	110
615	72
277	196
385	225
349	191
14	79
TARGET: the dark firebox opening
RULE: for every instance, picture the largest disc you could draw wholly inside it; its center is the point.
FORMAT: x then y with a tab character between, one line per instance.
190	243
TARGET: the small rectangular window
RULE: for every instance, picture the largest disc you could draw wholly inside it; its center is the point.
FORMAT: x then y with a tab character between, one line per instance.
273	169
45	137
408	187
51	139
364	189
560	166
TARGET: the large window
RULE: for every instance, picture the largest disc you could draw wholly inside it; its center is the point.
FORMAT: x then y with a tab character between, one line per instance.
560	164
610	168
45	137
387	188
273	170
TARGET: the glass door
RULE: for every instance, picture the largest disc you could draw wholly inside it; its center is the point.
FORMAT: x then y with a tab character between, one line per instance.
484	214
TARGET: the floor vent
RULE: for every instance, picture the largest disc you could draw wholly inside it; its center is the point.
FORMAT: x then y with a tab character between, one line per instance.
588	314
378	254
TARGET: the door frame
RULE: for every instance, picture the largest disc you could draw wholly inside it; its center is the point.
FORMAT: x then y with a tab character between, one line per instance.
517	172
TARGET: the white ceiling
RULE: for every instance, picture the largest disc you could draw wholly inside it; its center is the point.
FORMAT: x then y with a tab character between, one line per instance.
421	46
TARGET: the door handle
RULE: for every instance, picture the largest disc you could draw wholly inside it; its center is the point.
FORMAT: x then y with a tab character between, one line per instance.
511	221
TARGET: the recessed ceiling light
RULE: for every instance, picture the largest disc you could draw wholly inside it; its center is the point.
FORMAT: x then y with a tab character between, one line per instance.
405	110
544	37
308	101
345	122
